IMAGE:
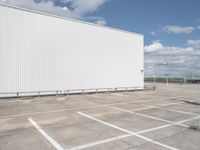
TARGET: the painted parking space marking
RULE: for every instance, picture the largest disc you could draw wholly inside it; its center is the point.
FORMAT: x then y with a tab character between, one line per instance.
173	110
127	131
45	135
149	107
87	107
129	135
151	117
101	142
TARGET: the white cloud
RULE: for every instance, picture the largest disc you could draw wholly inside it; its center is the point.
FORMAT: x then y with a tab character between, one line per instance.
101	22
46	7
194	43
77	9
178	29
198	28
152	33
156	45
97	20
65	8
82	7
176	61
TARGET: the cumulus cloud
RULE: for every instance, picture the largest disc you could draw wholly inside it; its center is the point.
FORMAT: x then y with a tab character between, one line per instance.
175	61
82	7
194	43
76	9
155	46
178	29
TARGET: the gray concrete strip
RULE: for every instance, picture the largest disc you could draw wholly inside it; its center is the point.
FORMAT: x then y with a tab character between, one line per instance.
151	117
78	108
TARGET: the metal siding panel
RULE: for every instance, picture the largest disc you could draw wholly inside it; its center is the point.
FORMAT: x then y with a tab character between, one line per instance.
41	53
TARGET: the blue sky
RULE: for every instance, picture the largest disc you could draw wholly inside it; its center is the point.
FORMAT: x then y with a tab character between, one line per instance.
171	27
145	16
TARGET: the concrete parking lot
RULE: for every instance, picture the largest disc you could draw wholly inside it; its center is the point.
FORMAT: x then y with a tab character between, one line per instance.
140	120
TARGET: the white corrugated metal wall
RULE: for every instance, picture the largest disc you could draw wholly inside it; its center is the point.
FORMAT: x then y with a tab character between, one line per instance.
40	52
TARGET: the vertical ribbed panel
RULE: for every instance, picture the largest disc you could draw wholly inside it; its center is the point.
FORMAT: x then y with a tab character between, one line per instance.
40	53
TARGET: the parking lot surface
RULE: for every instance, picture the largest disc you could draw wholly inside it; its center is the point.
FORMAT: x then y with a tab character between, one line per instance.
167	118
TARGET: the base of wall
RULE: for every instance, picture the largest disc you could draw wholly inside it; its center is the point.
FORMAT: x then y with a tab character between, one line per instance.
9	95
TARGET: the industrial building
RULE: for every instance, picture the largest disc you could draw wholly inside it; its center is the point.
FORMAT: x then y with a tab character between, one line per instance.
43	54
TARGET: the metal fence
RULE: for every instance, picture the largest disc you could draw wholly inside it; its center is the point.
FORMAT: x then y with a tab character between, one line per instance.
67	92
172	80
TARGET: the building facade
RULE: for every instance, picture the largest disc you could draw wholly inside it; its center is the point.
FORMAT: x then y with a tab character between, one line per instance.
46	54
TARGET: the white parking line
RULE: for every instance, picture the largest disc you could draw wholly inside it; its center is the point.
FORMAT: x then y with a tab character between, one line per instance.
44	134
169	125
101	142
169	104
78	108
173	110
129	132
151	117
143	108
128	135
149	107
